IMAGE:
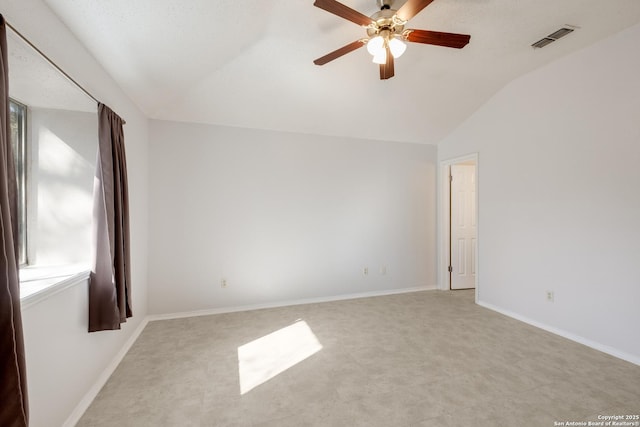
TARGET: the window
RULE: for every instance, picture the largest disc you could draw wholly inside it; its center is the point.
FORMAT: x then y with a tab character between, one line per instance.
54	153
18	120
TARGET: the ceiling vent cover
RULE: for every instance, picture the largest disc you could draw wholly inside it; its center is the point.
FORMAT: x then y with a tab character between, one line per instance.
553	37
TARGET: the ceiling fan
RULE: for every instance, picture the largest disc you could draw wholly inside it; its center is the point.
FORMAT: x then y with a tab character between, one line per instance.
386	33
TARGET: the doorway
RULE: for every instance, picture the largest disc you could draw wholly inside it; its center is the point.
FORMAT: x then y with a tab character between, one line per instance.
459	223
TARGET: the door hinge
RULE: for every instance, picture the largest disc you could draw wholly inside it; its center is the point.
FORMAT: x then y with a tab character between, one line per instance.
450	269
450	178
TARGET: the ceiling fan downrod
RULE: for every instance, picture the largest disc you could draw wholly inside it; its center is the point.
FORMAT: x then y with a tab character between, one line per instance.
385	4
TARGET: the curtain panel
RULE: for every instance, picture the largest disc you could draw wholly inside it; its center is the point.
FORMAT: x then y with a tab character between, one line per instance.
110	280
13	385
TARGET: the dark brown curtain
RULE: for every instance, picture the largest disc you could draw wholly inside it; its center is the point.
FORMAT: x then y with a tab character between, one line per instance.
13	379
110	281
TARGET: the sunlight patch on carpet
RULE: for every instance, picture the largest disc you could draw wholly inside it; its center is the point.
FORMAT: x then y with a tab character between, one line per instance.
264	358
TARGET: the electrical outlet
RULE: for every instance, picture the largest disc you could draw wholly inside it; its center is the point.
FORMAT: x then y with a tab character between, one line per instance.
223	283
383	270
550	296
365	271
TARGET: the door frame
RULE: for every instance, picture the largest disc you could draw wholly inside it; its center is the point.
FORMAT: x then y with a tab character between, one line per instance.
444	217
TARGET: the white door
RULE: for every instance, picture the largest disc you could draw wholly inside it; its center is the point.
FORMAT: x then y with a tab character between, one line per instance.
463	227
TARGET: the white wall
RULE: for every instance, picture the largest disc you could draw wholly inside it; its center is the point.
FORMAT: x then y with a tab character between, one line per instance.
62	148
559	202
284	216
63	360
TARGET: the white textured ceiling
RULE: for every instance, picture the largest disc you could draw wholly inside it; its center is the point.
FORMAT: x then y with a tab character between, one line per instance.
248	63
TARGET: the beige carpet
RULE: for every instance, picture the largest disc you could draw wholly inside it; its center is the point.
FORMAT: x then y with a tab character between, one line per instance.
422	359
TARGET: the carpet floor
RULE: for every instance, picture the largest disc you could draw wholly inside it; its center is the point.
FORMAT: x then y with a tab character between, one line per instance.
428	358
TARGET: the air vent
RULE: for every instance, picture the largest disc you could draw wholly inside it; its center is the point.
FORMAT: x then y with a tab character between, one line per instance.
553	37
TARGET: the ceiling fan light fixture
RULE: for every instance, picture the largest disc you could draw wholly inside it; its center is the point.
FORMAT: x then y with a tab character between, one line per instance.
397	47
375	45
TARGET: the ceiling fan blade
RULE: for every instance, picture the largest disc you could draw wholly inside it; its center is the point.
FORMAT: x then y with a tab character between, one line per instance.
457	41
339	52
343	11
411	8
386	70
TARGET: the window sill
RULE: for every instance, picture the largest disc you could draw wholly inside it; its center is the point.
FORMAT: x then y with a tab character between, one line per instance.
40	283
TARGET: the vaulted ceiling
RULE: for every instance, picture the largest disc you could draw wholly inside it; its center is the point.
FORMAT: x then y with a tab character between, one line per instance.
249	63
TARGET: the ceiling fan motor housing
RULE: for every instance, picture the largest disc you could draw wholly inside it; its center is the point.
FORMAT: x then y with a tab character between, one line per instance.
384	20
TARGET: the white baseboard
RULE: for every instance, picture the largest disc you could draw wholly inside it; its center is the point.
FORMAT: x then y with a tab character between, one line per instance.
86	401
568	335
222	310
